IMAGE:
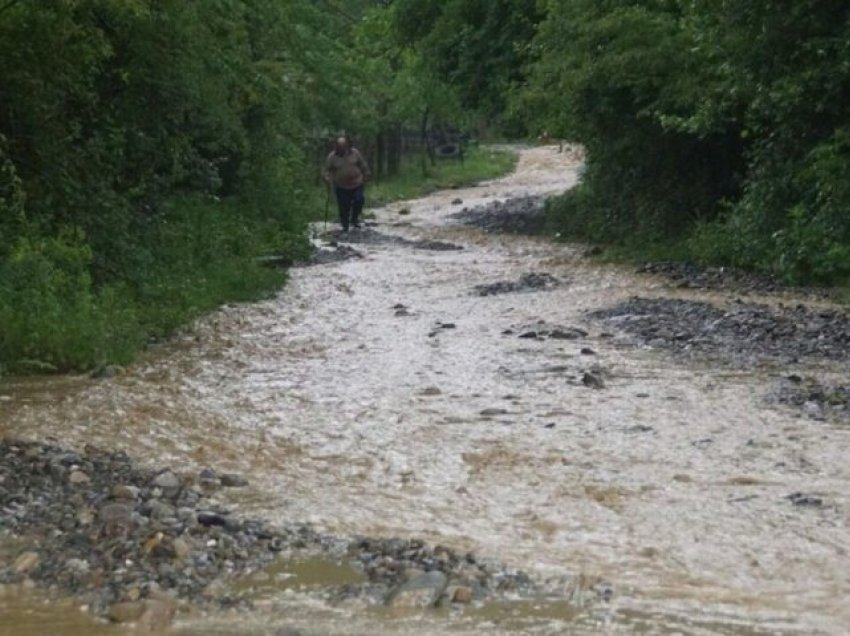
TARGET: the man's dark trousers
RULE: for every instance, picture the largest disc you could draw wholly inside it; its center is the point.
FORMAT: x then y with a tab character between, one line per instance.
350	201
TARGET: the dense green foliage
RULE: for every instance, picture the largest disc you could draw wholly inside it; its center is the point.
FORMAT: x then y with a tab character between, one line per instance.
721	125
149	151
478	47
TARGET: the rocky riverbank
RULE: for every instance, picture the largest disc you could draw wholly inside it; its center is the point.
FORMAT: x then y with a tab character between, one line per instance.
134	544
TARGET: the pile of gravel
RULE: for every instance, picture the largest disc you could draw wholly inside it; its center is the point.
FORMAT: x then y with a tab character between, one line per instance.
743	334
531	282
818	400
524	215
691	276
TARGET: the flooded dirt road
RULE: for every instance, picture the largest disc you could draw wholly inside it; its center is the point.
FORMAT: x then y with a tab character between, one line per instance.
386	396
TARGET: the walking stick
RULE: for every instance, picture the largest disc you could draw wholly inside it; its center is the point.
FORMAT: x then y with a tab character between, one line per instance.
327	206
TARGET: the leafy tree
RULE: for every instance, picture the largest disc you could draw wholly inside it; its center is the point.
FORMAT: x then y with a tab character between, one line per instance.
478	47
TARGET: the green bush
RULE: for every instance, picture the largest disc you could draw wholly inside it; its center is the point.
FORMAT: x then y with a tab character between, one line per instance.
718	126
49	313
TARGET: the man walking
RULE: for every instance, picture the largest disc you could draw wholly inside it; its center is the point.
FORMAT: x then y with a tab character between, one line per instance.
346	169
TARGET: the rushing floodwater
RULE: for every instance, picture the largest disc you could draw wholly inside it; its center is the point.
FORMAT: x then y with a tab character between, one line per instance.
669	485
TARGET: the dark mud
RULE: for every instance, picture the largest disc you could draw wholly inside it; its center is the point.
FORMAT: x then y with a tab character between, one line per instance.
530	282
691	276
524	215
542	330
369	236
123	538
743	334
817	400
333	253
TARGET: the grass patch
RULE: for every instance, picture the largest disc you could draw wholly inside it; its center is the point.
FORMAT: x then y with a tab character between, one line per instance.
639	253
55	318
480	164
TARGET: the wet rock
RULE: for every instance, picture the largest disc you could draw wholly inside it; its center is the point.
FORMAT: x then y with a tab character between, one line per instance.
126	612
78	567
209	518
209	479
541	330
116	518
818	400
123	492
431	391
523	215
457	202
442	326
181	548
152	615
531	282
593	380
805	500
156	509
420	591
561	333
587	351
462	595
493	412
26	562
436	246
166	480
78	477
230	480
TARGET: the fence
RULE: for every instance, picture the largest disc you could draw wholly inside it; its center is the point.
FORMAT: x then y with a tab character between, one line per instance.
385	151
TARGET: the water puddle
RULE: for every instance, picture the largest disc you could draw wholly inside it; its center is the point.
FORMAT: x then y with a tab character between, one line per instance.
27	613
301	575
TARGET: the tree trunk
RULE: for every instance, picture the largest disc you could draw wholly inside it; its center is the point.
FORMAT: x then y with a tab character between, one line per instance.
423	133
378	168
394	150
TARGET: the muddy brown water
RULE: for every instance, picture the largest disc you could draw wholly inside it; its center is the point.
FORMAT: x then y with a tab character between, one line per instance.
669	484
